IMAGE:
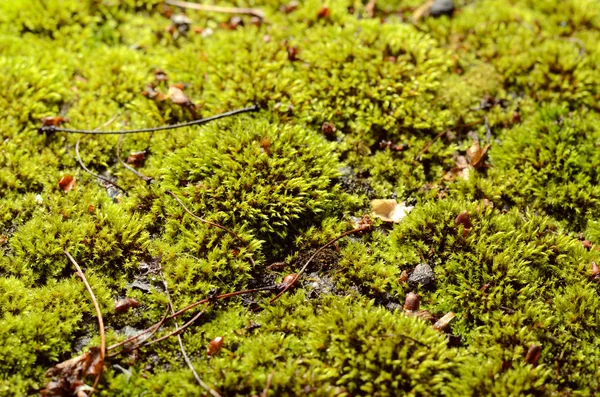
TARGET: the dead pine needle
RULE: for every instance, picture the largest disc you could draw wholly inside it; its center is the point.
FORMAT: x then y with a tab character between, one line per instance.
268	386
210	8
100	321
189	363
199	219
291	283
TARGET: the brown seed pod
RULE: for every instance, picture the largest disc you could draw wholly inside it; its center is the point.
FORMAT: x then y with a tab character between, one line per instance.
411	302
124	305
328	129
289	279
215	346
443	322
463	219
533	354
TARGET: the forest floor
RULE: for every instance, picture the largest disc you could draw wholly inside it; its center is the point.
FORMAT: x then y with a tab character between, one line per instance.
418	187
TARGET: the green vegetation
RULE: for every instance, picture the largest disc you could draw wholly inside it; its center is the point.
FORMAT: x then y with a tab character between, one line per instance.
354	106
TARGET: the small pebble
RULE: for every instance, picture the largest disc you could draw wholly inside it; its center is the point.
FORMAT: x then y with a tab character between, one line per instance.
442	7
422	275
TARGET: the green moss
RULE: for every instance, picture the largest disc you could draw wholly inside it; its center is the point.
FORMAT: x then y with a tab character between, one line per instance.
407	100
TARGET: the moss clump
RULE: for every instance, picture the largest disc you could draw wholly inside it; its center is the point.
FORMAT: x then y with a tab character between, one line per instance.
251	172
404	102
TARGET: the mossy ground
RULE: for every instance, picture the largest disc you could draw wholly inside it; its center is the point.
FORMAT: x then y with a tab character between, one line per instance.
528	70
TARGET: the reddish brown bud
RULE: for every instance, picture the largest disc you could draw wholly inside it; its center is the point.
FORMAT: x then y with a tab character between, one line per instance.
124	305
289	280
324	12
328	129
215	346
412	302
533	354
463	219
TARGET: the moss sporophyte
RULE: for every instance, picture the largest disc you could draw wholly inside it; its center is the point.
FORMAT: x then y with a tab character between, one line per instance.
403	199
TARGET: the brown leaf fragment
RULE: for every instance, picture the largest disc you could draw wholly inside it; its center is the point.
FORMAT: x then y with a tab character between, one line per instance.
389	210
477	155
586	244
215	346
136	158
124	305
177	96
54	121
324	12
533	354
442	323
67	377
289	7
66	183
161	75
3	239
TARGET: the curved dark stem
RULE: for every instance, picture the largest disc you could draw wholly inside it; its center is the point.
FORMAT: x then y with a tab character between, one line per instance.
51	128
178	330
86	169
196	217
297	276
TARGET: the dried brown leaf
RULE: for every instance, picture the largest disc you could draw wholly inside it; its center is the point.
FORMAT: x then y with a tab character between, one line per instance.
177	96
477	155
66	183
389	210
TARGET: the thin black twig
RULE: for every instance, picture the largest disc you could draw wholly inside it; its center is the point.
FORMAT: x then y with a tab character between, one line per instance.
86	169
52	128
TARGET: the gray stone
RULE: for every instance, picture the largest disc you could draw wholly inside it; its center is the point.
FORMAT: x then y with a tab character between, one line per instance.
442	7
422	275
